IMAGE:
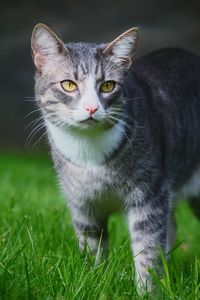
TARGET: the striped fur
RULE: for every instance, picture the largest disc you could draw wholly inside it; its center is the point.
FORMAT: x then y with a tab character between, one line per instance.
140	147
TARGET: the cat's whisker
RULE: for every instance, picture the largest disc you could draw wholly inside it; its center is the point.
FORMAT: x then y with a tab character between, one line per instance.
40	126
133	98
116	108
42	117
118	120
124	124
34	111
29	99
50	115
40	138
60	123
120	115
37	129
34	122
32	133
123	132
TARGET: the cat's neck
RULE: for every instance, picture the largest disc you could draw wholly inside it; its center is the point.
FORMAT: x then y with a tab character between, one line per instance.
86	150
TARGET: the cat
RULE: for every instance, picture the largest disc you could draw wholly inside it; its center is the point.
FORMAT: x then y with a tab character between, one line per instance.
124	135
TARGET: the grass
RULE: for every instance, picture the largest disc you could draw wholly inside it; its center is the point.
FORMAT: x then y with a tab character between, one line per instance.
39	256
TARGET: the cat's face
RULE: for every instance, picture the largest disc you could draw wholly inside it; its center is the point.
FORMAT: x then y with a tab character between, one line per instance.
80	85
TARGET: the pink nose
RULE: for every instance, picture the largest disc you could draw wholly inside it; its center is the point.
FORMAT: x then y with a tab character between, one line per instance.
91	109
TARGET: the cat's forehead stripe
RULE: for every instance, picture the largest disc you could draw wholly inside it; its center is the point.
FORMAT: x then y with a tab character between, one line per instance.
76	75
98	69
83	68
85	59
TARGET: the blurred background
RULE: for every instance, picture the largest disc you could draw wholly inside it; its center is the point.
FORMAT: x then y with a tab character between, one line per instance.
162	24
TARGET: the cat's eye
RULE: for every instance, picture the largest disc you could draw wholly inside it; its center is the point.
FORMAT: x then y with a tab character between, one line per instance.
69	86
107	86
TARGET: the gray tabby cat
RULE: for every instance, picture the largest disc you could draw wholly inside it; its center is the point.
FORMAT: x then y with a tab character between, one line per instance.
124	135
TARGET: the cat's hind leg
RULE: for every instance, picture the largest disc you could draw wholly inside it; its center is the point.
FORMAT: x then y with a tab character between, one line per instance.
148	227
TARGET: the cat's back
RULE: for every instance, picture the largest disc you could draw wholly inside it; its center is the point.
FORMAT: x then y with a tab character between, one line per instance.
169	64
171	81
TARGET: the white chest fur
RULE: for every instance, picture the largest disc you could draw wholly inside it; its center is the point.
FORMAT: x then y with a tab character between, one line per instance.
91	150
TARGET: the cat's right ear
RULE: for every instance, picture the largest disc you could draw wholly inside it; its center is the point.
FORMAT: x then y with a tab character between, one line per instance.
45	45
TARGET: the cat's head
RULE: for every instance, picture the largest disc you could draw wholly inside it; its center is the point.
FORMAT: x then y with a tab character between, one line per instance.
80	85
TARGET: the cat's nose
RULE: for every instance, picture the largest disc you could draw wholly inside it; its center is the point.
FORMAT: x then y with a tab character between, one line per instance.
91	109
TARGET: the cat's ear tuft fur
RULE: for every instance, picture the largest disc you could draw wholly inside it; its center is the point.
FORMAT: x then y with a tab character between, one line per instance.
123	47
44	44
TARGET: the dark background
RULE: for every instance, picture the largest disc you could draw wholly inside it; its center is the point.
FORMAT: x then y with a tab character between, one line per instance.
162	23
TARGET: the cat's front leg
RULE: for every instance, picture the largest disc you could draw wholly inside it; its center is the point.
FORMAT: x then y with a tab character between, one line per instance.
91	233
148	223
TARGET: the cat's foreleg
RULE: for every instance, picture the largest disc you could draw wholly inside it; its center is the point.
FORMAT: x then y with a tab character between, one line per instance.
91	234
148	223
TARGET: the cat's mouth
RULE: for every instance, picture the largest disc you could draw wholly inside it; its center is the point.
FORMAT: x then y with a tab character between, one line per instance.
88	121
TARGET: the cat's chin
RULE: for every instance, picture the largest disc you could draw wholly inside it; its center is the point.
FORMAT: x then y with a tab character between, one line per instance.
88	122
89	126
92	124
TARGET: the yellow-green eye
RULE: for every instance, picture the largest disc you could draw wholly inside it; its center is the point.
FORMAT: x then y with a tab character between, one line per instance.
107	86
68	85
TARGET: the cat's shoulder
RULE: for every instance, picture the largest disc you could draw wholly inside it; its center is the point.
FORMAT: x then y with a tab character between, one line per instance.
170	62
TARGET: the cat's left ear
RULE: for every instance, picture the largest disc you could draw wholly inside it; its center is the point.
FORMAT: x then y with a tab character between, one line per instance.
46	46
123	48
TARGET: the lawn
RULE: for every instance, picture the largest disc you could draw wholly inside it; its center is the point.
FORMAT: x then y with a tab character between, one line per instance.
39	256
